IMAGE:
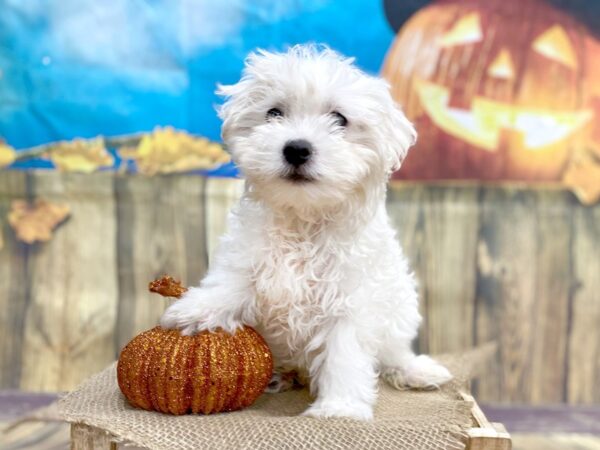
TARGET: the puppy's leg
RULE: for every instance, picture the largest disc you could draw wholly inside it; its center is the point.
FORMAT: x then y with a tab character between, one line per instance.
343	376
403	369
282	380
224	300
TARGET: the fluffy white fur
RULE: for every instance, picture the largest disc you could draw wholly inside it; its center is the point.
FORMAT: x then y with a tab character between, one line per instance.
314	264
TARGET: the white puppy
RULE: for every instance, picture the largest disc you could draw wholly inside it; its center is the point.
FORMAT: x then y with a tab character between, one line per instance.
310	258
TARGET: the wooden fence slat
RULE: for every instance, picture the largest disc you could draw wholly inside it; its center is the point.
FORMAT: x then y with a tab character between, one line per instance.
553	291
13	282
69	330
451	223
506	290
161	231
584	346
405	208
523	293
221	195
437	227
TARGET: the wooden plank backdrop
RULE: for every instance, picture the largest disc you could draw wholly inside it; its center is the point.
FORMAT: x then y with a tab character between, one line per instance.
584	338
13	284
515	264
72	285
523	299
438	230
160	231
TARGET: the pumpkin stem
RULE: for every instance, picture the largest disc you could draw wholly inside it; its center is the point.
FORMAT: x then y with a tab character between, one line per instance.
167	286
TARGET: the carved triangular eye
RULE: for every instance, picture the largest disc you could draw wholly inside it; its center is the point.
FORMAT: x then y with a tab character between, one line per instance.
555	44
502	66
466	30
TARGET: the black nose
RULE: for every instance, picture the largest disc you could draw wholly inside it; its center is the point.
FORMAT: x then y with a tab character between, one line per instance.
297	152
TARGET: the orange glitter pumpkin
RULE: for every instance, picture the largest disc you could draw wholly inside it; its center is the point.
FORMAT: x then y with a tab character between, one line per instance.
162	370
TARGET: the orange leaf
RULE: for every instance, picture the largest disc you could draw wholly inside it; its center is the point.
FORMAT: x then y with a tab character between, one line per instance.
167	150
36	222
81	155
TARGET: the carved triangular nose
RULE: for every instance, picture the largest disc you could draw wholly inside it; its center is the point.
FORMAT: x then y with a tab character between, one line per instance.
502	67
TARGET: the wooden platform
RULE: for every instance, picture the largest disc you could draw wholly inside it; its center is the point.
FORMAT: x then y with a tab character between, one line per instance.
546	428
56	436
483	435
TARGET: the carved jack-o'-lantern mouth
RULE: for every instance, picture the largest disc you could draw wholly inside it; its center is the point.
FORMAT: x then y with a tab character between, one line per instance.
484	124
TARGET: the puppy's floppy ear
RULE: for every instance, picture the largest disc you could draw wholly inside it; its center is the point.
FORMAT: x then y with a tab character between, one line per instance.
239	97
399	136
230	112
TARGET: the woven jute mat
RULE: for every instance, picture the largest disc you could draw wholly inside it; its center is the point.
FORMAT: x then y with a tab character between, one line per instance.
403	419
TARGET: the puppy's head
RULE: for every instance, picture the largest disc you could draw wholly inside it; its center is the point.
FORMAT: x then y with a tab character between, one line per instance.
307	127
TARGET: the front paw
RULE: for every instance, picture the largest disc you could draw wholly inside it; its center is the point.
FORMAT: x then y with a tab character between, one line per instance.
347	408
181	316
194	312
281	381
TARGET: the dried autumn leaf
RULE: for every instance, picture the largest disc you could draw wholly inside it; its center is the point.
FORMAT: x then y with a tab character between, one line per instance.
7	155
36	222
81	155
583	178
167	150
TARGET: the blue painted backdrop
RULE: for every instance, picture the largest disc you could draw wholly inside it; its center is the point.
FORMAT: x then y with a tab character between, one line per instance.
79	68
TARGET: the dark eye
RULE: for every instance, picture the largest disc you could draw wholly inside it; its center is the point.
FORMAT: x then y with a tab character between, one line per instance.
340	119
274	112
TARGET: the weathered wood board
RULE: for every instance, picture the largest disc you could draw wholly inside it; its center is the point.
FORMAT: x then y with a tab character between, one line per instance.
221	196
14	293
523	292
583	362
438	227
161	231
73	293
518	265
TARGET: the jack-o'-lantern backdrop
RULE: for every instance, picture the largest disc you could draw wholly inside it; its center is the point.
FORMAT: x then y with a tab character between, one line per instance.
499	90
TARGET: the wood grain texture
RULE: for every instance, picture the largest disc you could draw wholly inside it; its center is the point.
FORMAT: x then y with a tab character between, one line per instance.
13	283
69	329
518	265
405	208
523	293
584	338
84	437
485	435
221	195
438	229
504	295
161	231
550	320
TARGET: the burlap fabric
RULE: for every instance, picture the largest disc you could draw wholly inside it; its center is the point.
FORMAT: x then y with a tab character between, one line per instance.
403	419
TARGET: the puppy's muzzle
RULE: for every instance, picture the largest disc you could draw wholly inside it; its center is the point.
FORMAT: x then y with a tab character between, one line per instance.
297	152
